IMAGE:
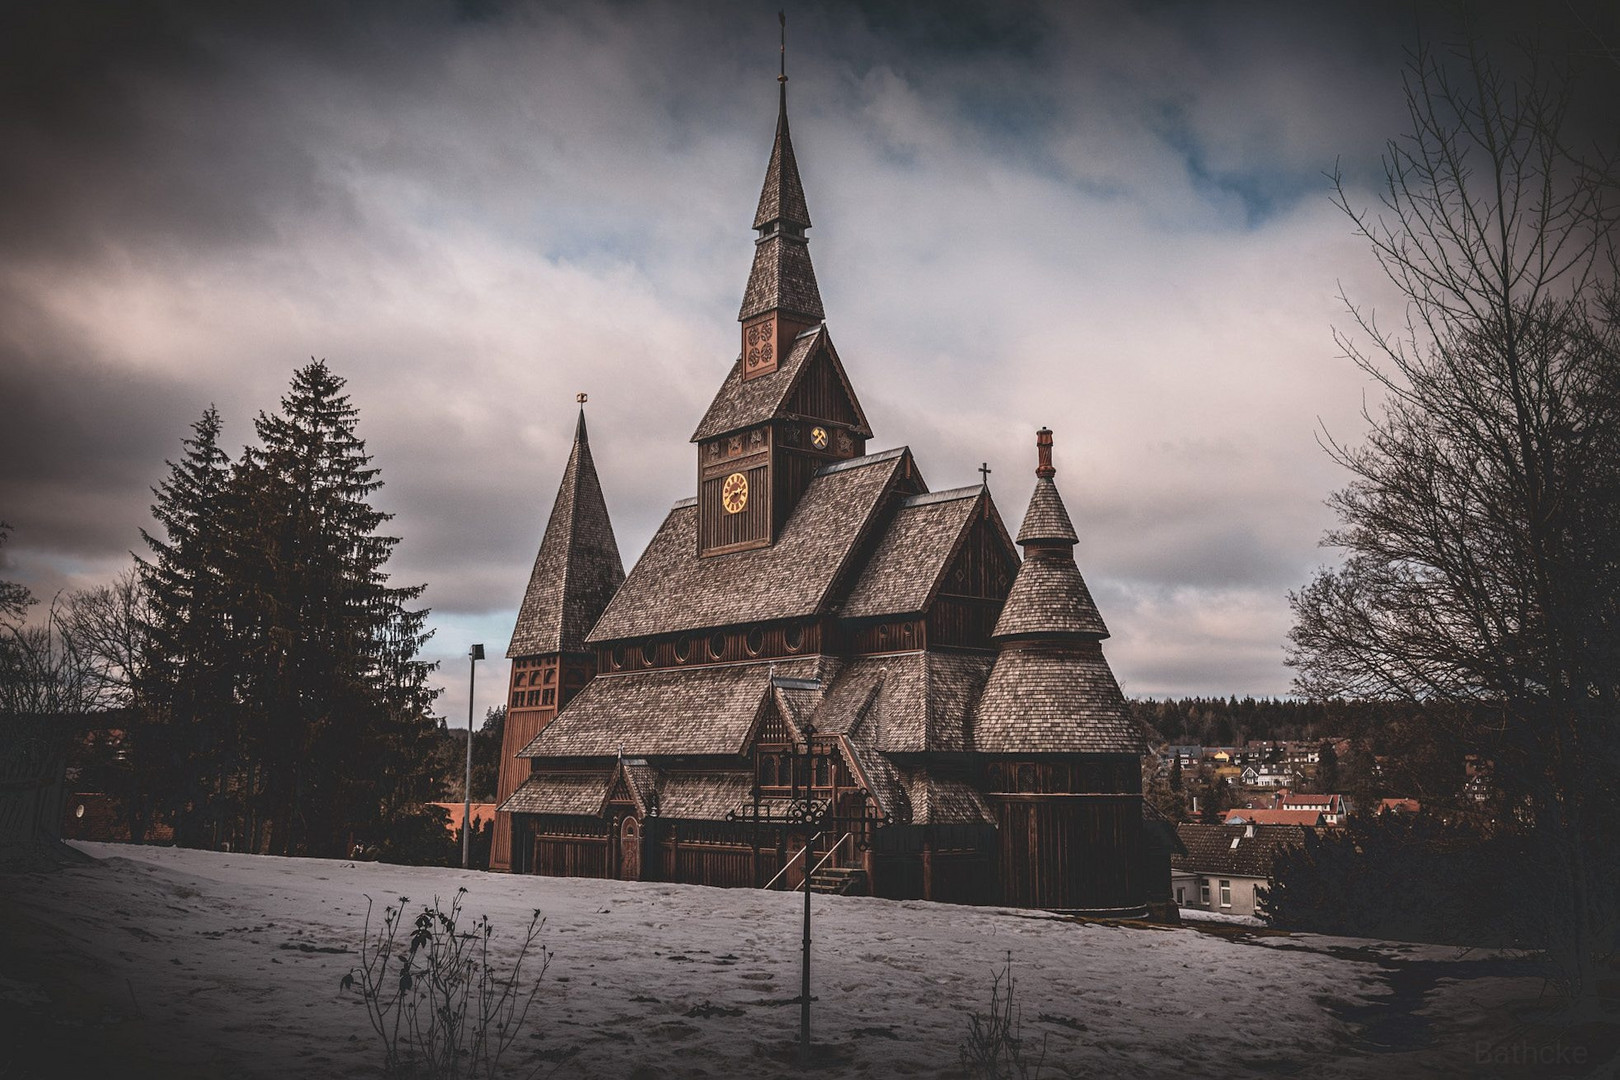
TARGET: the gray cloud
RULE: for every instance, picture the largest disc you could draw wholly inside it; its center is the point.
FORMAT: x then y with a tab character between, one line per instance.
1108	218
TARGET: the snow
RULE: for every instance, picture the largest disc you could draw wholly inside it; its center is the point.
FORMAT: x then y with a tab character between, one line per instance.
214	963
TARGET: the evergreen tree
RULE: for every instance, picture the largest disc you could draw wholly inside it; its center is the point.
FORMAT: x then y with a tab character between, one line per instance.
1327	769
337	700
186	742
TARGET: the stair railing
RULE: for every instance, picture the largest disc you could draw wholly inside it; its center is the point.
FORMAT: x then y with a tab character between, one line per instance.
830	853
795	855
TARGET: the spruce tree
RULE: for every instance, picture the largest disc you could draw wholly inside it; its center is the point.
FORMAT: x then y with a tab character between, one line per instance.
337	700
186	742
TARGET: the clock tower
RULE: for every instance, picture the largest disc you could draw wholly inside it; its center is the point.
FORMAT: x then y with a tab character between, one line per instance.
787	408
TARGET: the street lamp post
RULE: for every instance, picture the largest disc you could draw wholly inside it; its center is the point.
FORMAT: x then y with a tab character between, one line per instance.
474	654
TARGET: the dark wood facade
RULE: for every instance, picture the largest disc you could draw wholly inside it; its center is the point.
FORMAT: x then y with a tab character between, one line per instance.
818	651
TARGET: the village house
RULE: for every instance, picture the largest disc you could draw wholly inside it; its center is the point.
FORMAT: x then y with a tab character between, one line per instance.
1270	816
818	659
1332	807
1221	866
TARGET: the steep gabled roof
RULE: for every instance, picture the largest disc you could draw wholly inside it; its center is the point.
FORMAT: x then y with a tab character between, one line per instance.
742	403
905	703
577	569
1053	698
671	589
905	571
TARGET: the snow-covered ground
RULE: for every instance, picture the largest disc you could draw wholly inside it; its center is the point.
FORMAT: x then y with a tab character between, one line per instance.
164	962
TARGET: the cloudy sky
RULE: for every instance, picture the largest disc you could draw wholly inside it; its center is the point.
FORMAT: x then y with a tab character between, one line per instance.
1108	218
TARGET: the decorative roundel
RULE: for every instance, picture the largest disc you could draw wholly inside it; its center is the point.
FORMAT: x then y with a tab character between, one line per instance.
818	438
734	494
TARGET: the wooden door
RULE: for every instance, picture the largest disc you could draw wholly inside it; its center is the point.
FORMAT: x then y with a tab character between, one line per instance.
630	849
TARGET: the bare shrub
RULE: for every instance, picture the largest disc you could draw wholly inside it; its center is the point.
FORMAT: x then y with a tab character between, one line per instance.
995	1048
435	995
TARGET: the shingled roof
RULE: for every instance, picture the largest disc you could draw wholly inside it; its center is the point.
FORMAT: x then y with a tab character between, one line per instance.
742	403
905	703
666	711
1053	698
782	277
559	793
904	573
1046	518
1231	849
1049	598
577	569
671	589
782	197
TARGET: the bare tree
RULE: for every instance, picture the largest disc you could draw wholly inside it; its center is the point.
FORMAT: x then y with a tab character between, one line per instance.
109	626
1481	538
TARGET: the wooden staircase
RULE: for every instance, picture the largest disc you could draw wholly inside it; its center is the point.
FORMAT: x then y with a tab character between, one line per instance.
839	881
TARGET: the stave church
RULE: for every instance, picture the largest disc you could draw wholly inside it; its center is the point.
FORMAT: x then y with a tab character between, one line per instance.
820	673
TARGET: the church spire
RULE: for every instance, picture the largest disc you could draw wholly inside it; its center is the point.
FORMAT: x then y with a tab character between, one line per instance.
577	569
781	298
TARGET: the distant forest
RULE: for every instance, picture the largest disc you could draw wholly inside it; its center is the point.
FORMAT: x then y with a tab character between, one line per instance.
1234	721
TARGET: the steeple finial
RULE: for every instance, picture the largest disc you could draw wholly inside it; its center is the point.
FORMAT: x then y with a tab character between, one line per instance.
781	17
1043	451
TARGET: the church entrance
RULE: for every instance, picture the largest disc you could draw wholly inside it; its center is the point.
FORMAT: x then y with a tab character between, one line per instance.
630	849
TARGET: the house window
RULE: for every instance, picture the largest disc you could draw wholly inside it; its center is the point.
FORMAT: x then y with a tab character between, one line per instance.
1181	896
717	646
1226	893
1203	891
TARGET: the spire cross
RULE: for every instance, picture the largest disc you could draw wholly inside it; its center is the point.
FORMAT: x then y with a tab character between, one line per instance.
984	473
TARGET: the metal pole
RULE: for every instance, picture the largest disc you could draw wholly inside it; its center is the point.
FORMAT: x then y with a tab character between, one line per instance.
474	654
804	976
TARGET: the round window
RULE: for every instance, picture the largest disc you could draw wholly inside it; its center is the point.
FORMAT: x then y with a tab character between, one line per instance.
755	641
618	656
683	649
717	646
649	651
793	638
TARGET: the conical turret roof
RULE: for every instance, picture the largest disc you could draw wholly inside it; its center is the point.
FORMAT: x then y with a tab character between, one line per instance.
1049	598
1051	690
577	569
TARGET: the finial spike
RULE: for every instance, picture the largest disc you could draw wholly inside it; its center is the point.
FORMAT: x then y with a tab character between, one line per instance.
781	16
1043	450
582	398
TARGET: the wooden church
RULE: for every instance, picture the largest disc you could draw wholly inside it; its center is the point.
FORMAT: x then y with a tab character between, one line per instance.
818	652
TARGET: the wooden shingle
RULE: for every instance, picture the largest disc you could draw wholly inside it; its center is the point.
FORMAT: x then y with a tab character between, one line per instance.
672	589
577	569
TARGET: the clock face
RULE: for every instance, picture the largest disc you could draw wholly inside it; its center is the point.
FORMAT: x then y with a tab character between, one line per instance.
818	438
734	494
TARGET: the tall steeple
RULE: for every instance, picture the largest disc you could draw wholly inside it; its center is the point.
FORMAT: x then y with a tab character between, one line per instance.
577	569
575	574
781	299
